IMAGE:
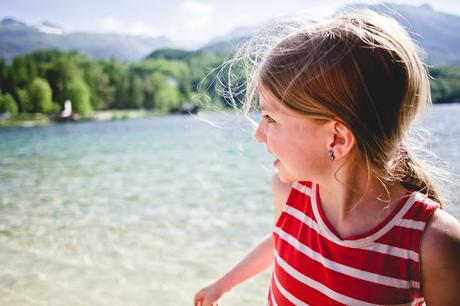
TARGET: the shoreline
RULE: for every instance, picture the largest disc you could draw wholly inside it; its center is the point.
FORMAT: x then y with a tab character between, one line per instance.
33	120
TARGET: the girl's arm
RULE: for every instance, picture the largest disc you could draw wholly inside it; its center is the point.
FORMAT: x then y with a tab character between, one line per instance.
440	260
259	259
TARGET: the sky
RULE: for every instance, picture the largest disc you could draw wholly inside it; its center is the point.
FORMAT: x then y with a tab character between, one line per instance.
190	22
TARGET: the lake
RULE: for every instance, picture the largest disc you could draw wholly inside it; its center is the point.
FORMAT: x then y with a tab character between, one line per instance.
143	212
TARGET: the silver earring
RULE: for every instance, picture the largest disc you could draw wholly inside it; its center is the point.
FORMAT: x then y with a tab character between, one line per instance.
331	154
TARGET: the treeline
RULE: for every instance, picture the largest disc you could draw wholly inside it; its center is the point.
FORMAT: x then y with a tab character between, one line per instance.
445	84
40	82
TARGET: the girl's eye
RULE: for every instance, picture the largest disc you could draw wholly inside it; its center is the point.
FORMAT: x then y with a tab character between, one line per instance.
268	119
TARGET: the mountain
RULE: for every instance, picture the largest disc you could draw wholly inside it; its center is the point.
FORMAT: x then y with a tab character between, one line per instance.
229	42
48	27
437	32
226	43
18	38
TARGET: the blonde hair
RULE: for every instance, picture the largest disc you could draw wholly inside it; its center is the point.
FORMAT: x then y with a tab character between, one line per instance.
361	69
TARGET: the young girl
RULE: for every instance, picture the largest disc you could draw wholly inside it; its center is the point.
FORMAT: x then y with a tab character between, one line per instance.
358	220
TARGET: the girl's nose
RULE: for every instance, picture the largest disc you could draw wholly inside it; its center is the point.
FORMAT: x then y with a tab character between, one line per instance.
260	133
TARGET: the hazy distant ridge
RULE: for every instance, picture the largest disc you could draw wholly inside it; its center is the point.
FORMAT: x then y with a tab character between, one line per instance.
18	38
437	32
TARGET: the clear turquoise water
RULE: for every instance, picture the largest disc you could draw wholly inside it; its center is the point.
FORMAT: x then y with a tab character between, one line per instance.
141	212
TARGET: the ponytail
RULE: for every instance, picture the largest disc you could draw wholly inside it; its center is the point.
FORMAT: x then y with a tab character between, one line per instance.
413	175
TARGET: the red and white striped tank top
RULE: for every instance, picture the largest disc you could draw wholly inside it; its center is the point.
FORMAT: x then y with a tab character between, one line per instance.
313	266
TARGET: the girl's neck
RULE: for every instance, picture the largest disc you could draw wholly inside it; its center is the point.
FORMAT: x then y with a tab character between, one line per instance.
354	204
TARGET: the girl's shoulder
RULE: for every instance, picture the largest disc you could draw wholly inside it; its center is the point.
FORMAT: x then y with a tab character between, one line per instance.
440	260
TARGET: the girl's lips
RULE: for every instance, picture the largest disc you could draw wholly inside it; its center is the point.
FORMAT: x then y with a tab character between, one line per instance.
276	162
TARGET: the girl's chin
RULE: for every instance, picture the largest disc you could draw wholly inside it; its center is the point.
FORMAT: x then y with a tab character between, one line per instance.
284	178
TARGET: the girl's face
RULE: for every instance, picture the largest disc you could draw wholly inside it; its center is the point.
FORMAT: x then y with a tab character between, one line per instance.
298	143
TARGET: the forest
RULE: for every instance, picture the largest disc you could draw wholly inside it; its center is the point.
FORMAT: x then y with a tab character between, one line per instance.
40	82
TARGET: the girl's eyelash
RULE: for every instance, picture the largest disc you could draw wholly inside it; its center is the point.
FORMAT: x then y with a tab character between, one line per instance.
268	118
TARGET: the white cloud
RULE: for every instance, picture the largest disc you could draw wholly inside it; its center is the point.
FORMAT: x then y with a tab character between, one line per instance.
141	28
196	15
110	24
320	11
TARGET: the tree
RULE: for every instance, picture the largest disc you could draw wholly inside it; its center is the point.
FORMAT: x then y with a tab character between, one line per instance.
78	93
8	104
178	70
22	72
60	75
3	75
165	93
118	79
135	92
102	92
40	96
445	84
23	100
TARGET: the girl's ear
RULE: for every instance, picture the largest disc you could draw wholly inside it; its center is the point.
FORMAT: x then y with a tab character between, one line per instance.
342	140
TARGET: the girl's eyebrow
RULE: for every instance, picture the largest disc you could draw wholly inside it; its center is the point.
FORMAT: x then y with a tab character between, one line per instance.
267	107
266	104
